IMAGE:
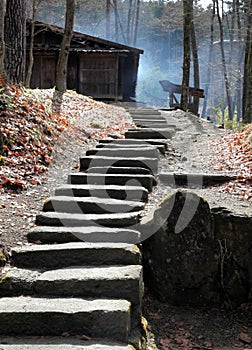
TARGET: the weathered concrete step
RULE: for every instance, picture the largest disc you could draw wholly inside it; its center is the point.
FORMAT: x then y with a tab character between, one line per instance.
70	220
141	123
161	147
145	112
118	170
50	256
114	282
50	234
91	205
194	180
147	152
57	343
146	181
139	193
142	162
159	143
149	133
149	118
102	318
152	126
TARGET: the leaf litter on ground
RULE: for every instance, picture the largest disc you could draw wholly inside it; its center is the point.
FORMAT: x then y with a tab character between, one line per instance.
31	122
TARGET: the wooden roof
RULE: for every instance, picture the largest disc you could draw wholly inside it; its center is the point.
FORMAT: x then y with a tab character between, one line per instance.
82	40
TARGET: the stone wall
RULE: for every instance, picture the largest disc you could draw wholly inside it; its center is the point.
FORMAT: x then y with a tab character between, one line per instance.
198	255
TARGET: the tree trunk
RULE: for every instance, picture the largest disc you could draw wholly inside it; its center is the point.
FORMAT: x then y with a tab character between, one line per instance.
186	57
61	71
247	83
129	22
196	76
137	22
2	43
15	32
224	64
108	19
210	64
31	59
116	20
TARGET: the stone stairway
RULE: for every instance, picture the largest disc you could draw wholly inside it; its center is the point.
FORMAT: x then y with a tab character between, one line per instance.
82	288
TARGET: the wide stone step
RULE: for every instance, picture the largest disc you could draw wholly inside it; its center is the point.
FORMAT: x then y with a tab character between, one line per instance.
49	256
53	343
50	234
148	117
194	179
146	181
115	282
150	122
147	152
139	193
91	205
70	220
152	126
145	112
149	133
58	343
142	162
118	170
161	145
98	318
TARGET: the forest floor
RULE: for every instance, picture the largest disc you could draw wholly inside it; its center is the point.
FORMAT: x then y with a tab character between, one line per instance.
42	135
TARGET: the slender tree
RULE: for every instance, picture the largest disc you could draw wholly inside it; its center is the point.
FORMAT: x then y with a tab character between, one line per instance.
194	47
187	17
35	4
247	83
61	70
15	30
2	42
223	57
210	61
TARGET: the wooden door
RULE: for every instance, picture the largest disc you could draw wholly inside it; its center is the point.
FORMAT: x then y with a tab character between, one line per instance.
98	75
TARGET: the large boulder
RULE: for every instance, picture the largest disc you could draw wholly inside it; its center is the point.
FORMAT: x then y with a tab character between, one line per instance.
180	262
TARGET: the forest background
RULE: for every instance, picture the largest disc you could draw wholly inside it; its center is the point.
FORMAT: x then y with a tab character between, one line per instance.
157	27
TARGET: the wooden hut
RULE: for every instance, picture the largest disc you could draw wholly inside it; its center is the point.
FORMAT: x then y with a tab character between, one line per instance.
96	67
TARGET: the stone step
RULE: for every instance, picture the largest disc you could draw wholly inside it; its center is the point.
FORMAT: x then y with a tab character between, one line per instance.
146	181
113	282
70	220
91	205
58	343
122	142
149	133
98	318
142	162
161	147
145	112
153	121
152	126
147	152
118	170
146	118
51	234
139	193
195	180
52	256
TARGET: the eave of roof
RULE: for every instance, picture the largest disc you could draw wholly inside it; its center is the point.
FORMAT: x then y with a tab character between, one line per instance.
78	36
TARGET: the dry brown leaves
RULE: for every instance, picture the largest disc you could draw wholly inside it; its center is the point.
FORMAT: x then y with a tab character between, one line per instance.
31	122
234	156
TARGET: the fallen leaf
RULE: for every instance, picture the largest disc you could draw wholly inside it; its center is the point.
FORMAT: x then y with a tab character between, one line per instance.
245	338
